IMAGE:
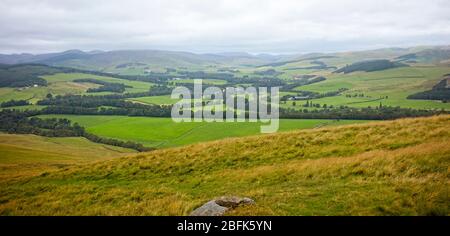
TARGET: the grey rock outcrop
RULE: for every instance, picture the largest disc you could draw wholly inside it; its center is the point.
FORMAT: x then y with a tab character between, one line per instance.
220	205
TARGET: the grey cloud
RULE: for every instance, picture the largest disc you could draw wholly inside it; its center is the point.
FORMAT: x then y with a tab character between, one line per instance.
221	25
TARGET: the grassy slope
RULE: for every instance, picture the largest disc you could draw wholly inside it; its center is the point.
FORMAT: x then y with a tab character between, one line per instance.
163	132
25	155
384	168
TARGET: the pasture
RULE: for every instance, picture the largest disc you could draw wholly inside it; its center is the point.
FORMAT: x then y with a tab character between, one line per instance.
158	100
163	132
395	84
62	83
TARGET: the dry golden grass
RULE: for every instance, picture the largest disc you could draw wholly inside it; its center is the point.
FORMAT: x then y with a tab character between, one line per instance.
31	155
383	168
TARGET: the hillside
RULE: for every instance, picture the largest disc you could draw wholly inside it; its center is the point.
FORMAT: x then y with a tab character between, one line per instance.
30	155
383	168
24	75
441	91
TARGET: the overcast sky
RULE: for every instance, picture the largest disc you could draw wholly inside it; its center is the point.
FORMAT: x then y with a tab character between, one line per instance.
255	26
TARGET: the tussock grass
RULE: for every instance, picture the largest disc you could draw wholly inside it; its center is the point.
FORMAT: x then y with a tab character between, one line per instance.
396	167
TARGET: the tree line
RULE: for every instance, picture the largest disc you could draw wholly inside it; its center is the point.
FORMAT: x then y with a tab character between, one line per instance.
105	86
369	113
14	103
100	105
114	105
301	82
306	95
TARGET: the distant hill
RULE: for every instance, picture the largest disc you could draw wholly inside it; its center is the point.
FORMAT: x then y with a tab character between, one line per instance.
109	60
338	58
99	59
41	58
385	168
427	56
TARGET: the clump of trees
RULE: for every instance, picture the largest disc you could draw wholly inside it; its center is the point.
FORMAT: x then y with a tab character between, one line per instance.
94	105
105	86
13	121
13	103
361	95
370	65
268	72
301	82
344	112
306	95
441	91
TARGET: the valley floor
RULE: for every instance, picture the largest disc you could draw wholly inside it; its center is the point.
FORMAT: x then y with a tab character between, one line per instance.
163	132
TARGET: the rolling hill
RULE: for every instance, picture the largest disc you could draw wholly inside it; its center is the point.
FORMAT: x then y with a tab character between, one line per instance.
383	168
29	155
139	61
101	60
430	55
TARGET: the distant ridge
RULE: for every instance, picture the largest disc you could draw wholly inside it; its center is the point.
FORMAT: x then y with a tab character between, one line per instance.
96	60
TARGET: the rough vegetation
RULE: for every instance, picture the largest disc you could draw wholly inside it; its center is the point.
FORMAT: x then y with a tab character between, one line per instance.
385	168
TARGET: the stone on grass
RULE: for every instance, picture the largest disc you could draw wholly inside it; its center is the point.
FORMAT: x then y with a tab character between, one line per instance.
220	205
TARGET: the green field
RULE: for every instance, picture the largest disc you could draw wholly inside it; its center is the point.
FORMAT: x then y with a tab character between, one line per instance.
163	132
31	94
204	81
137	86
159	100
